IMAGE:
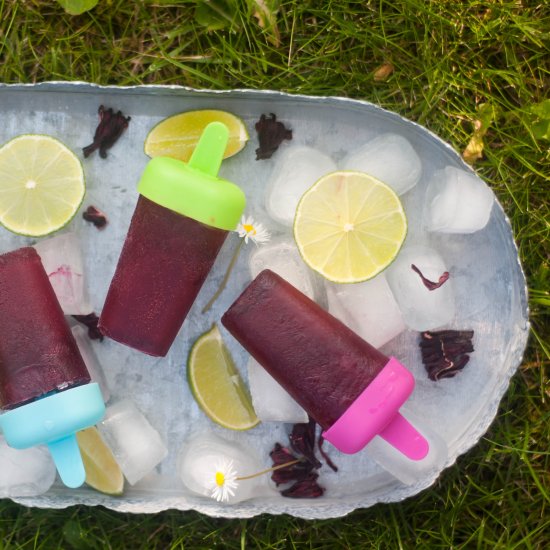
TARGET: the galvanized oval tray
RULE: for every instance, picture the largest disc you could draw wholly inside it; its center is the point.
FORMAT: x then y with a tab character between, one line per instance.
494	305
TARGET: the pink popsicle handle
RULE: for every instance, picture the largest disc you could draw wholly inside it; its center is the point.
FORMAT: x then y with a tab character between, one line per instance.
376	412
402	435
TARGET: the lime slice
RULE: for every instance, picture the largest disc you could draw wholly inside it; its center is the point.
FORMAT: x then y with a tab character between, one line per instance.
41	185
217	385
349	226
178	135
102	471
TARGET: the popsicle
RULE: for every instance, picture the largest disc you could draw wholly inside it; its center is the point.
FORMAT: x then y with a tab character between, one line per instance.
44	384
351	389
181	220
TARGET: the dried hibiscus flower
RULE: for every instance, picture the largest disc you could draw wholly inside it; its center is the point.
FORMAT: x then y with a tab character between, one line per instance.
95	216
431	285
301	463
271	134
302	441
445	352
90	321
326	458
305	488
110	128
294	470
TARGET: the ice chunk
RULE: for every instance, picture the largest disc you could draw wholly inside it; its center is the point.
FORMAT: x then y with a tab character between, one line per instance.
456	201
410	471
271	402
296	170
90	360
25	472
62	259
136	445
389	158
368	308
422	309
283	258
202	455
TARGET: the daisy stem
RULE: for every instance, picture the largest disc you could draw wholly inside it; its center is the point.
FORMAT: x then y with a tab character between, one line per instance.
226	277
292	462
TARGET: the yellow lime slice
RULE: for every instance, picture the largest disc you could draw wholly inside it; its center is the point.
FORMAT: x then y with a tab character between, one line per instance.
177	136
41	185
102	471
217	385
349	226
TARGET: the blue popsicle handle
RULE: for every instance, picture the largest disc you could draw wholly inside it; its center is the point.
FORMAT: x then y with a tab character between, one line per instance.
68	461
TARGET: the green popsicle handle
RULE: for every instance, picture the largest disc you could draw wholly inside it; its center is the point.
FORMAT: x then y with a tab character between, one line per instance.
193	189
208	154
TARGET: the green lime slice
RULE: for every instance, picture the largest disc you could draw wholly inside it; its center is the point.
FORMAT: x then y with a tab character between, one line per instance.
102	471
178	135
217	385
41	185
349	226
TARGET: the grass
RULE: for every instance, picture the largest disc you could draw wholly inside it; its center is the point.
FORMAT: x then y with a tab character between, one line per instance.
449	58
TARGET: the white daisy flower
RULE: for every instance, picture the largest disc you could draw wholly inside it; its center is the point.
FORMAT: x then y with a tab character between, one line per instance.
223	481
249	229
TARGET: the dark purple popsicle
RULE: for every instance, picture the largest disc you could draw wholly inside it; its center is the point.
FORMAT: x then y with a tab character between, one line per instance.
165	259
38	353
321	363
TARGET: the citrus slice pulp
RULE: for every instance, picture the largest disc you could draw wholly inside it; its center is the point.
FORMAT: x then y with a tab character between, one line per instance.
102	471
41	185
217	385
349	226
177	136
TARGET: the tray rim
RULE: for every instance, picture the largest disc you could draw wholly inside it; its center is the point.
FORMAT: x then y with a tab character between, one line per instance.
312	510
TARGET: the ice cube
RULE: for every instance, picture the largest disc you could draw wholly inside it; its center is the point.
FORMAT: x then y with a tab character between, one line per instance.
271	401
202	455
296	170
368	308
136	445
282	257
90	360
406	470
62	259
389	158
25	472
422	309
456	201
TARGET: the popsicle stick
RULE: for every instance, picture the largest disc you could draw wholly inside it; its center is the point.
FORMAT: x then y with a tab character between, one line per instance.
66	455
402	435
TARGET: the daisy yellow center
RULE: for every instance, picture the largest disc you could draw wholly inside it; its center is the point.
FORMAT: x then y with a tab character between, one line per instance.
249	228
220	479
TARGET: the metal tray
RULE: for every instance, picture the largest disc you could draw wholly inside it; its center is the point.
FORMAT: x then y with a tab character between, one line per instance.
496	307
